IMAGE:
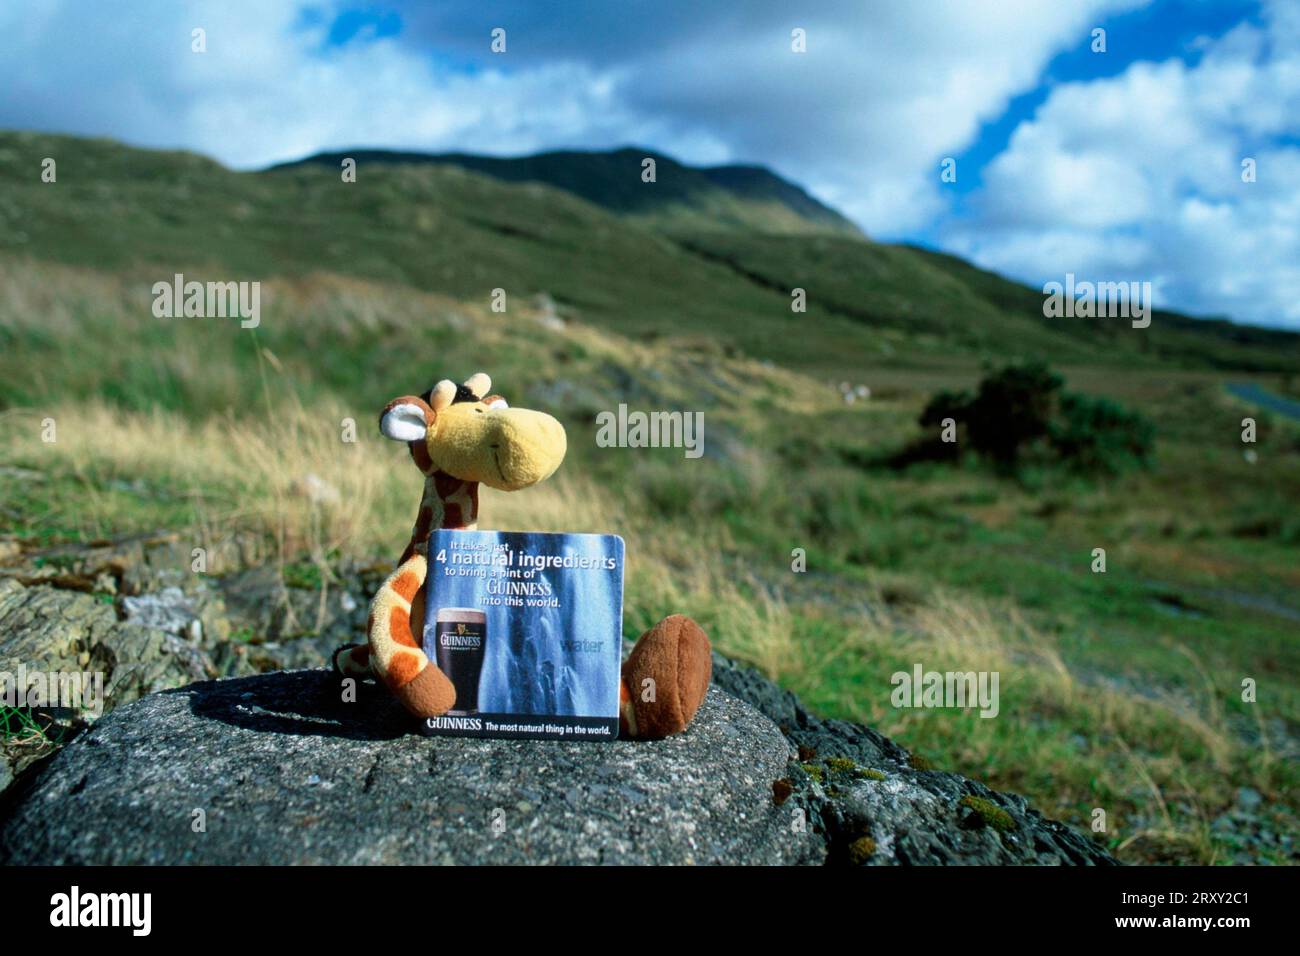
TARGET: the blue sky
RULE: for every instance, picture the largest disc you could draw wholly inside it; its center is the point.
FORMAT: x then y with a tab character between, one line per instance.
1122	165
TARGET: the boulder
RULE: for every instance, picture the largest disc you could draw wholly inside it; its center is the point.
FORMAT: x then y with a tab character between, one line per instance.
874	803
278	769
56	633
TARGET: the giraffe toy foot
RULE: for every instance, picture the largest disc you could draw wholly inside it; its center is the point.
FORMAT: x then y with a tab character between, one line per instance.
428	694
665	679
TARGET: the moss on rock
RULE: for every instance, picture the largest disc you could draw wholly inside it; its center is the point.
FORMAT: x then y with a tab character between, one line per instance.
988	813
861	850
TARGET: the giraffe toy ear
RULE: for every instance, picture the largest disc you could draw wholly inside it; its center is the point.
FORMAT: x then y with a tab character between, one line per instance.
442	395
404	421
479	383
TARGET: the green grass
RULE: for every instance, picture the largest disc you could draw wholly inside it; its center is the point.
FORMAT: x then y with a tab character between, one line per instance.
25	733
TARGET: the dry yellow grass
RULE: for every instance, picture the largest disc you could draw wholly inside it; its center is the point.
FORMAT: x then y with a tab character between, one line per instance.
289	475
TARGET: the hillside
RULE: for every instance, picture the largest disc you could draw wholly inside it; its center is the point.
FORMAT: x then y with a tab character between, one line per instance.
437	227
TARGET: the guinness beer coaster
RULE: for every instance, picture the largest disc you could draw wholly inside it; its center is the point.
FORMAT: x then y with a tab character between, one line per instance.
528	628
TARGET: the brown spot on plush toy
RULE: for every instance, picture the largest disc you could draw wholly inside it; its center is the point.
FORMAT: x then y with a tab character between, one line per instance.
458	439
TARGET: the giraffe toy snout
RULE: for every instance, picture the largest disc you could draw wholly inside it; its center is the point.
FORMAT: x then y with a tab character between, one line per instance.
503	448
458	431
529	446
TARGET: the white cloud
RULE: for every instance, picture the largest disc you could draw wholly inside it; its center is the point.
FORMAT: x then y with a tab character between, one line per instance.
1139	177
885	91
269	89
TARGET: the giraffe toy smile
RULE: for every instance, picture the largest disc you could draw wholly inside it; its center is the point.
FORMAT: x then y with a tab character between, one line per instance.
461	436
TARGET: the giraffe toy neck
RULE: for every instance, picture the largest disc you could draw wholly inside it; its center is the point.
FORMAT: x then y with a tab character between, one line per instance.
448	503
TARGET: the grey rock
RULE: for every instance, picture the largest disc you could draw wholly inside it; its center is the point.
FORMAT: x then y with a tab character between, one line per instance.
54	630
912	816
259	603
285	772
830	738
302	653
920	818
49	628
166	610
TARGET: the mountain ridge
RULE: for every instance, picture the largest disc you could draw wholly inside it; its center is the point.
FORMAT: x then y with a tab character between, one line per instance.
730	194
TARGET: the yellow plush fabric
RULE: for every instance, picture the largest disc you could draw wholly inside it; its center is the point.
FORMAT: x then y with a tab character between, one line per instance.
504	448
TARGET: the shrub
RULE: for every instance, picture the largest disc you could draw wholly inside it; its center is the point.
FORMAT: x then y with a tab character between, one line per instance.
1021	414
1098	435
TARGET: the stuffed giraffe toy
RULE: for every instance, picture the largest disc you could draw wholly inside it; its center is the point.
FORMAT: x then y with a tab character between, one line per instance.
460	436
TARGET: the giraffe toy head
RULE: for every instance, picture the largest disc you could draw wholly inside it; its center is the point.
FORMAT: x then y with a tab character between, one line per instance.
469	434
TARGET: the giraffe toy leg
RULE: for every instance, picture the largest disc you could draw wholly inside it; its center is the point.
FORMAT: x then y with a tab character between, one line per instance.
665	679
396	618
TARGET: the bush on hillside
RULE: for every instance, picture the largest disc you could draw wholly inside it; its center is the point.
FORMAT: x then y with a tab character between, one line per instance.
1098	435
1021	414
